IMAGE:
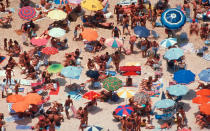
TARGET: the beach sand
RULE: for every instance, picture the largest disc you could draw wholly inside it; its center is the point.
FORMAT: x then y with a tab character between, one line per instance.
102	114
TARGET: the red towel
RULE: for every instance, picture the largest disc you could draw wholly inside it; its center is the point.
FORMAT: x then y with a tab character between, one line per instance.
55	92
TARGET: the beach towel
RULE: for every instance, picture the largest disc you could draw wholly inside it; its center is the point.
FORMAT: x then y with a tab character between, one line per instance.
55	92
75	95
11	111
25	82
12	118
23	127
112	73
2	58
37	83
19	90
127	2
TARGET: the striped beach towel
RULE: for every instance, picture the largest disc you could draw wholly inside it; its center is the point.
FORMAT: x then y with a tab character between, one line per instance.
75	95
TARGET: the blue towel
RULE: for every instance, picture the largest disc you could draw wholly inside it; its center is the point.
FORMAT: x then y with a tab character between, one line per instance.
10	108
19	90
75	95
12	118
23	127
108	63
112	73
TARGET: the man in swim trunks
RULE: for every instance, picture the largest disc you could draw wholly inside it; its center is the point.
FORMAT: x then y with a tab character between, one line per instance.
67	106
125	24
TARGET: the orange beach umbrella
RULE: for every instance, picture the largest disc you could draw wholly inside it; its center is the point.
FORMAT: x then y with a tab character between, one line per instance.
20	106
205	108
201	100
89	34
203	92
14	98
33	98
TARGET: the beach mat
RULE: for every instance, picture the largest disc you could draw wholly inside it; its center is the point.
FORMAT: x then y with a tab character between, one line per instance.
23	127
55	92
75	95
19	90
2	58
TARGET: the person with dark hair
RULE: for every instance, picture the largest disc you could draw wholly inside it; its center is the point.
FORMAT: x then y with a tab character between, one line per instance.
82	122
67	106
5	44
116	32
116	60
123	123
3	87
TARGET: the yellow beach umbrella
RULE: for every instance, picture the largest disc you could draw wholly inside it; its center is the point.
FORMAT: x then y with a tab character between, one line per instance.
125	93
92	5
57	15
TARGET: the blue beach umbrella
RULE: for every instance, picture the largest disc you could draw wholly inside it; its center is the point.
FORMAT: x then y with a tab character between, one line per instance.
165	103
141	31
173	54
57	2
173	18
71	72
204	75
93	74
184	76
177	90
57	32
93	128
168	42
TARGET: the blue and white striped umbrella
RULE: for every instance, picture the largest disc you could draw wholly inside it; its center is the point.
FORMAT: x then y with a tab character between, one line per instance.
207	57
173	18
93	128
168	42
165	103
177	90
173	54
204	75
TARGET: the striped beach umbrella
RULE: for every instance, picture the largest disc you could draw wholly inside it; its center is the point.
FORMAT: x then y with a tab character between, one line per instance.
125	93
124	110
93	128
27	12
114	42
168	42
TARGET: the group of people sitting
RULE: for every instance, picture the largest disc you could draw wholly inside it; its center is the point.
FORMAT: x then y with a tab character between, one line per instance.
59	44
72	59
95	46
202	120
12	47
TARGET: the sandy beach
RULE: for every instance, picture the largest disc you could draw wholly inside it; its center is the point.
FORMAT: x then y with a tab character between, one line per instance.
102	114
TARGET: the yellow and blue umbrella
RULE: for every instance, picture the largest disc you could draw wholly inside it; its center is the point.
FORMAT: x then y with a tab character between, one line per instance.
184	76
173	18
92	5
57	32
125	93
173	54
204	75
71	72
177	90
124	110
165	103
57	15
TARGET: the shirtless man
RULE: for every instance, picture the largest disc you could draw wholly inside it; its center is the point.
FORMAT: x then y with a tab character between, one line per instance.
116	60
76	31
138	122
9	75
129	125
116	32
144	44
67	106
120	11
116	11
194	27
123	123
82	123
17	85
125	24
132	42
5	44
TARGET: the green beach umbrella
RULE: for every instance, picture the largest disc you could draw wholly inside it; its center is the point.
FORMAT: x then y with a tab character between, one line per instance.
112	83
55	68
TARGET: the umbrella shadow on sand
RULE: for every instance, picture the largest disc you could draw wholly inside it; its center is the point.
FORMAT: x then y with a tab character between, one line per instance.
24	121
94	110
186	106
120	100
61	81
190	95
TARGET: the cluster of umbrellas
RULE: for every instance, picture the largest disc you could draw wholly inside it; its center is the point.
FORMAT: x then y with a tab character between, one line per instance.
21	103
203	98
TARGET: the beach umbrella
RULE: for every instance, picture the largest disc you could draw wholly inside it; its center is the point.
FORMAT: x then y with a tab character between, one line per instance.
93	74
75	1
50	50
58	2
203	92
168	42
204	75
114	42
54	68
206	57
20	106
201	100
89	34
173	18
112	83
93	128
57	15
27	12
165	103
177	90
38	41
92	5
141	98
57	32
141	31
173	54
125	93
204	108
91	95
14	98
184	76
33	98
72	72
124	110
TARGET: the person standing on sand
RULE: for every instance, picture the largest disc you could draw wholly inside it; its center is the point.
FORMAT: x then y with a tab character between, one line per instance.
116	32
116	11
179	121
132	42
125	24
123	123
67	106
82	122
116	60
17	85
9	74
3	88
